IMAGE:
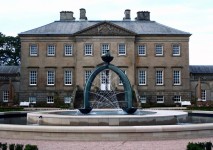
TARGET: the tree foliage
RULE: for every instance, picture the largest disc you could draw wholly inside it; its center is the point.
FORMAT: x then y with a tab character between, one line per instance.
10	48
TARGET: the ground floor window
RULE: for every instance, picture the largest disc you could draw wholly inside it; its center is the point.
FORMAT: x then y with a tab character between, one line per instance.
67	99
120	81
86	75
160	99
177	99
32	99
203	95
50	99
5	96
142	99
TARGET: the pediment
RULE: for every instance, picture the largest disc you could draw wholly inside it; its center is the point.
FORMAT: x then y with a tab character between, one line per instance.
105	29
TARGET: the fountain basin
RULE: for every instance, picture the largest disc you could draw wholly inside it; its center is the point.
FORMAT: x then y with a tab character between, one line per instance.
106	117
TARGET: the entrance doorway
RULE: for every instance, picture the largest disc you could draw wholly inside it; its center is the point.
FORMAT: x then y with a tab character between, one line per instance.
105	80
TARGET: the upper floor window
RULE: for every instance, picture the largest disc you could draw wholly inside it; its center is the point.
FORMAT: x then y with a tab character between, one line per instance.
176	77
159	50
176	50
50	77
32	99
104	49
87	74
68	50
160	99
51	50
5	96
33	50
142	77
122	49
141	50
33	77
159	77
88	49
68	77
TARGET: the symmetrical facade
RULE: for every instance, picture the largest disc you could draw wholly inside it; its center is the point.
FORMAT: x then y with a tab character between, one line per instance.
60	56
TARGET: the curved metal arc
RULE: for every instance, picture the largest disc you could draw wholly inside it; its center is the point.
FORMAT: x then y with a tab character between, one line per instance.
119	72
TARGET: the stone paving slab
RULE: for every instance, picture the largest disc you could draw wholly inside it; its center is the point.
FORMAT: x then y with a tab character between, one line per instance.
109	145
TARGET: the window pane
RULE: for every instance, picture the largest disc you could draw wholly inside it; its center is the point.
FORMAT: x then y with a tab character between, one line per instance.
68	77
50	99
33	50
176	77
88	49
5	96
176	50
87	74
160	99
50	77
105	48
51	50
159	50
122	49
177	99
143	99
142	77
141	50
159	77
33	77
32	99
203	95
68	50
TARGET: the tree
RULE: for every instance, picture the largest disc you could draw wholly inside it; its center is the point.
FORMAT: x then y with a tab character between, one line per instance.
10	48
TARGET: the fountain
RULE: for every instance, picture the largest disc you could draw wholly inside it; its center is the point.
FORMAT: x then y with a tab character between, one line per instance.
125	115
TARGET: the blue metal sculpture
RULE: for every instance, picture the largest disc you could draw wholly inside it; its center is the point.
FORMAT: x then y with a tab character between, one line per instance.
107	58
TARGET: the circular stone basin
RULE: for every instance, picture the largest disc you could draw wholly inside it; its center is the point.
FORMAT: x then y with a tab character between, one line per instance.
106	117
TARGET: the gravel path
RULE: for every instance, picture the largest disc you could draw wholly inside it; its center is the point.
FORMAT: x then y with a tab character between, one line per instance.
179	144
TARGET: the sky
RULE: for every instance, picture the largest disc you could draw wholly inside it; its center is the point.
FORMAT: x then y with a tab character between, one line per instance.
193	16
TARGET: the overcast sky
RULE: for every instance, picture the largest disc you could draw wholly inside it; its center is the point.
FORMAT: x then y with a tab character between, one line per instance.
194	16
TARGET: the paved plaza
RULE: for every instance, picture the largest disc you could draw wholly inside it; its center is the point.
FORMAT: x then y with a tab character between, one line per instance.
179	144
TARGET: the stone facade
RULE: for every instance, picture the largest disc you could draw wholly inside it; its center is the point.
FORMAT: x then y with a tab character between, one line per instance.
129	34
9	85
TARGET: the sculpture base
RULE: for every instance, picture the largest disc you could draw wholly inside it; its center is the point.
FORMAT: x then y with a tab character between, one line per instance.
85	110
131	110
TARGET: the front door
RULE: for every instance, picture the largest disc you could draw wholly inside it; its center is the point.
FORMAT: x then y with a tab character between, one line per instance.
105	80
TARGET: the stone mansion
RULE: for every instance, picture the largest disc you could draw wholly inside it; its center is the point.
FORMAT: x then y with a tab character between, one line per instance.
57	59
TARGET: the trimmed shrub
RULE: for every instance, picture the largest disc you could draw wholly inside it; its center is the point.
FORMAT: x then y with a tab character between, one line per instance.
199	146
31	147
12	147
19	147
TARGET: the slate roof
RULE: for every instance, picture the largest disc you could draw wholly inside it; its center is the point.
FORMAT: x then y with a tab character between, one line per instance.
201	69
7	70
71	27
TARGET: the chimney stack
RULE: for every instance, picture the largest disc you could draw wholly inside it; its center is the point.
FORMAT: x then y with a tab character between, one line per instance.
83	14
66	16
127	15
143	16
